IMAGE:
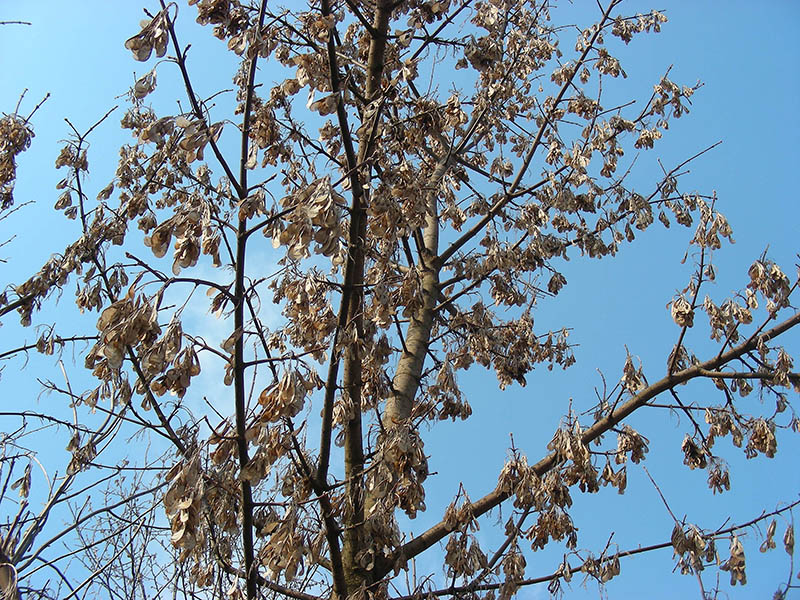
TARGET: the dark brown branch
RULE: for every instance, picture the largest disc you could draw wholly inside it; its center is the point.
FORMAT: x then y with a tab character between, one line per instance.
19	302
78	522
745	375
480	507
56	340
498	206
240	401
454	591
180	58
170	280
109	290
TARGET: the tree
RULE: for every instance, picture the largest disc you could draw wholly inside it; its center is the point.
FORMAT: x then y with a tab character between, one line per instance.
416	229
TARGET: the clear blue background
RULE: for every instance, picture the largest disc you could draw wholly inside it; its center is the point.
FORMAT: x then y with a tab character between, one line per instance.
746	54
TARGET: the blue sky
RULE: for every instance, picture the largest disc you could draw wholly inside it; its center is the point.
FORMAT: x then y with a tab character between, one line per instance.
746	55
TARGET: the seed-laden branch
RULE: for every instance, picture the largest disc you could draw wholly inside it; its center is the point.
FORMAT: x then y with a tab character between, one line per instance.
480	507
567	573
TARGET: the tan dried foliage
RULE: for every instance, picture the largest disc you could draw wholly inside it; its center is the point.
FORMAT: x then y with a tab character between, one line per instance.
364	237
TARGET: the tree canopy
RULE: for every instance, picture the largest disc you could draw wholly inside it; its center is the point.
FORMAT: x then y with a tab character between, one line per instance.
377	215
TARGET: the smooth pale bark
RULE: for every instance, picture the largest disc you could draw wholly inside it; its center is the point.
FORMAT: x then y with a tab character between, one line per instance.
405	383
409	369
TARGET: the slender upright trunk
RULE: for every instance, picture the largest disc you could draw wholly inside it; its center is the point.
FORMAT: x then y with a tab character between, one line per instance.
353	536
240	400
